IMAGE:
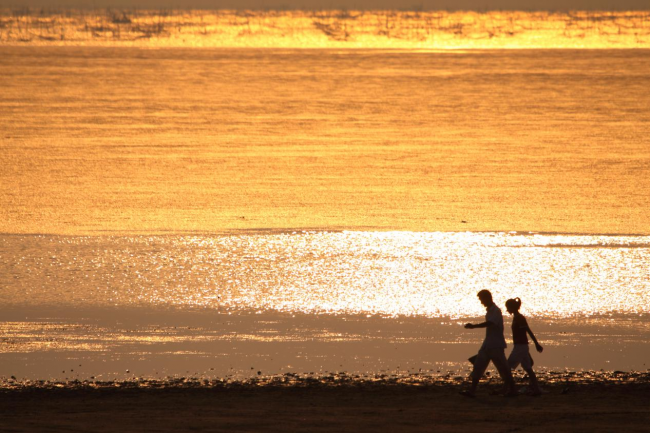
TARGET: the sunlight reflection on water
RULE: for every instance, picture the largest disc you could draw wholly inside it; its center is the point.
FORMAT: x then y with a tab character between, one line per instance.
385	273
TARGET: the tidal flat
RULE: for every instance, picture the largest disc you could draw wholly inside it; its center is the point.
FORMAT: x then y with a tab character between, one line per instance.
575	402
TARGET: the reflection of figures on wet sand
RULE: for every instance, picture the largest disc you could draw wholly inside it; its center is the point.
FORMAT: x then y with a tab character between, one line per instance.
520	353
493	348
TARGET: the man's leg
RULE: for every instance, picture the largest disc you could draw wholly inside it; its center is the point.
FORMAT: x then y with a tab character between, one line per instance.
480	365
498	357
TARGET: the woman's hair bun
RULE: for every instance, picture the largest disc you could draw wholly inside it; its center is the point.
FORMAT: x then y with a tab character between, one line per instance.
514	302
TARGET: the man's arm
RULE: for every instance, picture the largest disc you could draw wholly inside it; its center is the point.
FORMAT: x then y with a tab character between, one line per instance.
487	324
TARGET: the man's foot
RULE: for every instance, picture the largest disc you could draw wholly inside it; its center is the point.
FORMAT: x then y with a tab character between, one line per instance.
466	393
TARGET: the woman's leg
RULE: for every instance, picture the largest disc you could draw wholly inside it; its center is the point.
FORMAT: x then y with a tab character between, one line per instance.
534	384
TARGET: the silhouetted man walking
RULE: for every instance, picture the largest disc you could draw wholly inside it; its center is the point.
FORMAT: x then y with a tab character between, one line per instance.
493	348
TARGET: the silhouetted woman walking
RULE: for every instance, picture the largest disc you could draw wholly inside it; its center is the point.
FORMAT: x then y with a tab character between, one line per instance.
520	353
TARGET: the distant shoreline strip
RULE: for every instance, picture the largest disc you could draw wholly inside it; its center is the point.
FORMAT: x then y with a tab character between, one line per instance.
410	30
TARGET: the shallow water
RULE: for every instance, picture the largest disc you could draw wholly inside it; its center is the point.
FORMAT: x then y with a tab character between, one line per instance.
116	307
228	211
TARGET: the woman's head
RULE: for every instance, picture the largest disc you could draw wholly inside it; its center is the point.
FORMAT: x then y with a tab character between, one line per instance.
512	305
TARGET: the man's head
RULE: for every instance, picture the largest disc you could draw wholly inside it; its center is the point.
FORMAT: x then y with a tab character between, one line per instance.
485	297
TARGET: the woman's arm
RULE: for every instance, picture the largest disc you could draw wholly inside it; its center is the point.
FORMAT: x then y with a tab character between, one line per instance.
537	345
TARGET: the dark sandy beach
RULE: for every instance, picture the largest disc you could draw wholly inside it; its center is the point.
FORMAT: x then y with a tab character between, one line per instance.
576	402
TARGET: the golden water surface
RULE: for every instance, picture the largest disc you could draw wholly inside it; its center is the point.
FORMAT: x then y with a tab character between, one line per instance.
110	140
319	191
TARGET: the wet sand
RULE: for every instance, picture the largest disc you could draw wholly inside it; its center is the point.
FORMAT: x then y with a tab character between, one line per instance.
572	402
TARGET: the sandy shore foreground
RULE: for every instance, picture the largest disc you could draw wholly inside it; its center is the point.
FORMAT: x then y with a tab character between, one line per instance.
573	403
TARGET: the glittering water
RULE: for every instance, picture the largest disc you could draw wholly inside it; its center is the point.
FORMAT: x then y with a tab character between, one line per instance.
229	210
385	273
114	307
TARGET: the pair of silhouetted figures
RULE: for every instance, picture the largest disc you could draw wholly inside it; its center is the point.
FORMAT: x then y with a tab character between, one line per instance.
494	345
